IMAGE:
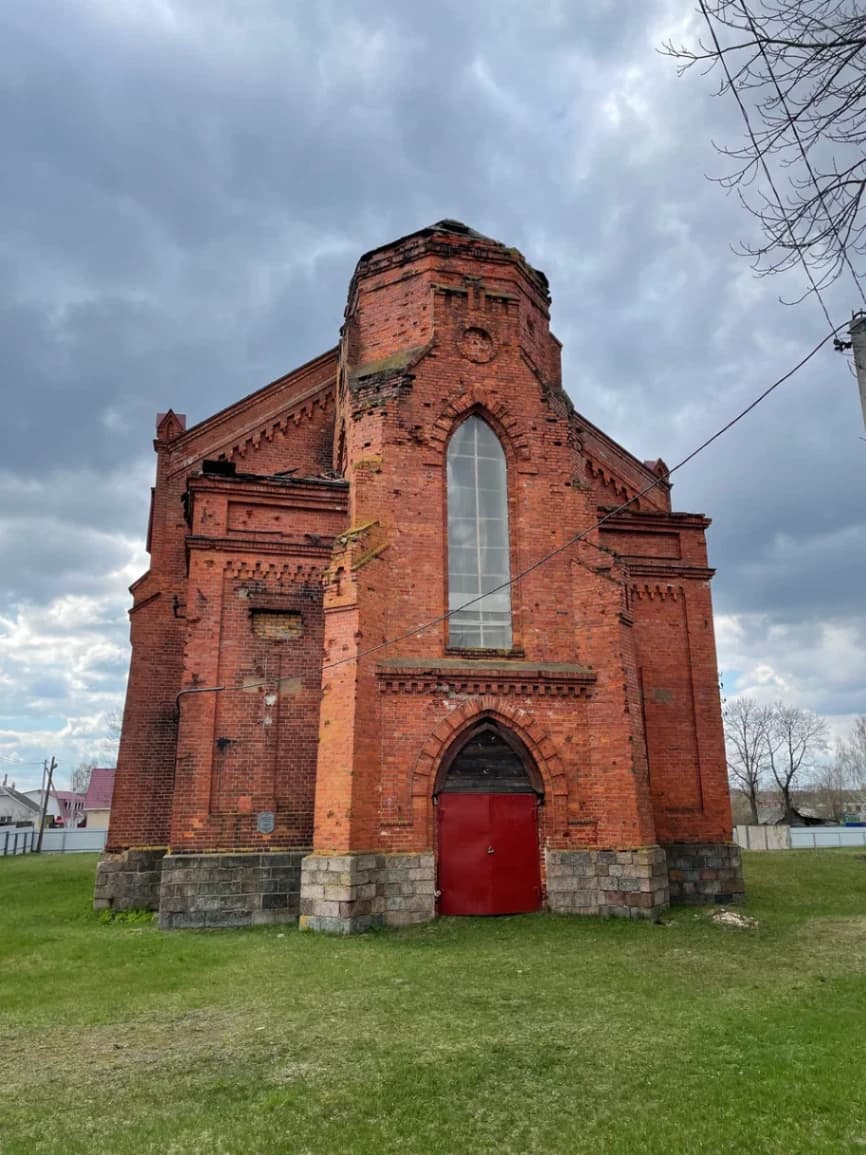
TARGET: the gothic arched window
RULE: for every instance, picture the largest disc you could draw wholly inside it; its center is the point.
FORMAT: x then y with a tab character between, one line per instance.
478	549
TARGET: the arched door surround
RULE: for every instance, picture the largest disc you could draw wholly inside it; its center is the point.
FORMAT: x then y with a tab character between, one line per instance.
487	818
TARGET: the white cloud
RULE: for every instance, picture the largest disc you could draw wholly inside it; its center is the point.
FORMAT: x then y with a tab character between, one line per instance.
814	665
202	178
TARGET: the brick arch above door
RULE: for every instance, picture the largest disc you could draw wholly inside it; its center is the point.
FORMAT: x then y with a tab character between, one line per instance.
462	719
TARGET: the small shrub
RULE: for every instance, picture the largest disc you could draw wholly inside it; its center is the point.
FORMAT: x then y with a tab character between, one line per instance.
135	917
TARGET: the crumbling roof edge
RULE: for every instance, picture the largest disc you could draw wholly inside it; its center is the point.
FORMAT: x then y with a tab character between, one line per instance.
236	407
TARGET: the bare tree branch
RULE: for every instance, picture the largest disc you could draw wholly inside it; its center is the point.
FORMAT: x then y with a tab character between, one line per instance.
799	69
851	756
795	739
746	731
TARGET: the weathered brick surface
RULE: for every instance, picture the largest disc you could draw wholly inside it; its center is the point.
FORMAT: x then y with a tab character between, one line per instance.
219	890
128	880
348	893
705	873
264	712
613	884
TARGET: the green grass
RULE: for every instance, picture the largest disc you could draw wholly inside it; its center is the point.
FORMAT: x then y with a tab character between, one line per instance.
533	1034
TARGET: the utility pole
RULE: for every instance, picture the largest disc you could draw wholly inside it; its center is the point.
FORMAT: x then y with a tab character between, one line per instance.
857	332
48	775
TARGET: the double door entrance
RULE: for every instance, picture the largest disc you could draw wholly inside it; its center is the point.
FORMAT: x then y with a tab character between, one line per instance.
488	831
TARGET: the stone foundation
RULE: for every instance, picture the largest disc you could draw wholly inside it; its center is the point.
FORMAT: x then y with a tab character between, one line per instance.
128	881
705	872
610	883
219	890
349	893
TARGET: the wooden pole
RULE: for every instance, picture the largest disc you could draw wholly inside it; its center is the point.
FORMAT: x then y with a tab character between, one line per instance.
49	775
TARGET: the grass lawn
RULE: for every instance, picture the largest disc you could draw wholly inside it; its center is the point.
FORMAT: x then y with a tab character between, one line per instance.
531	1034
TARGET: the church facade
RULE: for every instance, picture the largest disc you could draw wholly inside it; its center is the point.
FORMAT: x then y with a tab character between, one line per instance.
417	637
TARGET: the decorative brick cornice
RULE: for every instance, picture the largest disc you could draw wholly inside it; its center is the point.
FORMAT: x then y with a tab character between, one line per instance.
292	573
654	591
521	679
267	432
258	543
666	569
316	493
611	482
313	387
655	521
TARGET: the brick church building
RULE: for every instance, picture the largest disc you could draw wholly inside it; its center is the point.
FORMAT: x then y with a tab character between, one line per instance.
360	694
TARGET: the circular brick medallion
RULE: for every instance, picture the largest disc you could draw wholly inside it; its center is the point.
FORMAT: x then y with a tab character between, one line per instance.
477	345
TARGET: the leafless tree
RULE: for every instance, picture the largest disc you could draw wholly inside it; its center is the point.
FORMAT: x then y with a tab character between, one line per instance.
107	746
830	787
114	724
79	779
851	755
105	749
797	68
747	728
795	739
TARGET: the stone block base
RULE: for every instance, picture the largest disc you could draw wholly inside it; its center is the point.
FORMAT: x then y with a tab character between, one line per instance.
705	872
350	893
219	890
610	883
128	881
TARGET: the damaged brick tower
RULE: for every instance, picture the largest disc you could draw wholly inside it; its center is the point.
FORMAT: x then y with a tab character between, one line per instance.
331	651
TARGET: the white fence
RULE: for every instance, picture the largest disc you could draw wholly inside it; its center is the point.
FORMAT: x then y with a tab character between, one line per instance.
811	837
63	841
798	837
17	840
23	841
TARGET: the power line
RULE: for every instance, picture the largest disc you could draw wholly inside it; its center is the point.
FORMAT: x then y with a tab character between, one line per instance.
760	156
423	627
793	123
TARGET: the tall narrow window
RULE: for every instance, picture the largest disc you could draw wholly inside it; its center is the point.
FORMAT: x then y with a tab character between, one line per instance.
478	539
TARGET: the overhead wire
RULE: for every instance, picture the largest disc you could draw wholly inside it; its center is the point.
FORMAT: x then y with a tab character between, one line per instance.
792	121
422	627
578	537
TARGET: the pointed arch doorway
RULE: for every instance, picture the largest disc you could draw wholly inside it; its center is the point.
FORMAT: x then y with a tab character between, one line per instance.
487	823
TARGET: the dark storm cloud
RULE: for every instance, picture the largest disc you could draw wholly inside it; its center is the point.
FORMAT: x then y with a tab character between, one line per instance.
44	557
192	182
177	176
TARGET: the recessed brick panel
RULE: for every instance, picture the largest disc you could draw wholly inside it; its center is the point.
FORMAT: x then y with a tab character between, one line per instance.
290	654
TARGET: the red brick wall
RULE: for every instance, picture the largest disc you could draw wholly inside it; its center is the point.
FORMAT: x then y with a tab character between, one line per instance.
286	425
670	604
397	417
611	680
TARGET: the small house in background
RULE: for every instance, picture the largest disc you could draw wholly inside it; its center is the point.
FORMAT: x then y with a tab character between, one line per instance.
65	808
16	809
71	808
97	800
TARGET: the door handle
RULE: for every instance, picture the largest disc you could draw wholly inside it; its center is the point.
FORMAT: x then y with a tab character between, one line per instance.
490	850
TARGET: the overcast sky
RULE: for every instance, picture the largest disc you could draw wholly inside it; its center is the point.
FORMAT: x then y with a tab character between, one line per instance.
187	187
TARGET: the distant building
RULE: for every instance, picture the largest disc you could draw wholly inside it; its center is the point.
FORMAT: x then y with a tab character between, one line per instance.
65	807
810	807
16	809
417	637
97	800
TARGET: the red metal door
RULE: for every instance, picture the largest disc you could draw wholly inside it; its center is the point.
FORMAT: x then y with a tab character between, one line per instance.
488	854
